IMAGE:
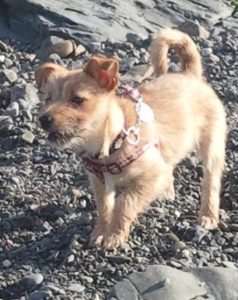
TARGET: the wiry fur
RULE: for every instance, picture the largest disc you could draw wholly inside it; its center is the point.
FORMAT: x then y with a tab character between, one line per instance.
189	116
183	45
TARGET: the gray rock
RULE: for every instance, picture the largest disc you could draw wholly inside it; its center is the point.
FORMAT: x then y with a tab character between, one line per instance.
8	75
63	48
137	73
28	137
194	29
76	288
2	59
163	282
91	21
33	280
3	47
136	39
26	92
56	289
23	104
13	109
6	263
54	58
8	63
40	295
80	49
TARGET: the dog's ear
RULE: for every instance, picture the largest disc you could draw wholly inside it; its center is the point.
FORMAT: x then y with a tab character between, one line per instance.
43	73
104	70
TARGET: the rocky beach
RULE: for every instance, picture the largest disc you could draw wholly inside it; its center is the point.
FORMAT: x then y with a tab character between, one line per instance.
47	209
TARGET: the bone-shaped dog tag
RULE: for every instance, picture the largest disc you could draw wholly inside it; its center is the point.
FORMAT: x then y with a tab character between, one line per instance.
145	113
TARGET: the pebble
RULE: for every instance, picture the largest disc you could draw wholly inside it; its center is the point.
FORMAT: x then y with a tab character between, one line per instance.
13	109
62	48
180	245
8	63
70	258
80	49
76	288
56	289
33	280
10	75
87	279
40	295
6	263
118	259
3	47
2	59
194	29
55	58
233	227
28	137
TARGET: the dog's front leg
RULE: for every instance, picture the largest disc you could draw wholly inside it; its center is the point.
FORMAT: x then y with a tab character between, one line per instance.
132	201
105	202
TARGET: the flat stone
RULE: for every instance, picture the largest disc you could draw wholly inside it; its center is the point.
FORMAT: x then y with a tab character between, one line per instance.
63	48
76	287
80	49
194	29
9	75
98	21
137	73
40	295
125	290
8	63
28	137
33	280
13	109
163	282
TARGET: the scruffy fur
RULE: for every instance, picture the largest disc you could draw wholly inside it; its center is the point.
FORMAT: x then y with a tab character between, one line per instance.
189	116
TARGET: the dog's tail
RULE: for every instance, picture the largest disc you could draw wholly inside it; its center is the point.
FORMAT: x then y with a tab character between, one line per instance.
183	45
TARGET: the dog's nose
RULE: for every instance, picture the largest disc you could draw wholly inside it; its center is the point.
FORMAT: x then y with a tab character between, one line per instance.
46	121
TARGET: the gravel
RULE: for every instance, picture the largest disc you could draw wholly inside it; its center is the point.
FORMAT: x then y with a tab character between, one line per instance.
47	210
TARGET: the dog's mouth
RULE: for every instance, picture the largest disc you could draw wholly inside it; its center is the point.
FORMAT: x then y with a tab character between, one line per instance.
65	140
59	139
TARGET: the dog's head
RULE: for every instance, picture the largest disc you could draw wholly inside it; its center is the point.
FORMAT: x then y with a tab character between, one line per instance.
76	102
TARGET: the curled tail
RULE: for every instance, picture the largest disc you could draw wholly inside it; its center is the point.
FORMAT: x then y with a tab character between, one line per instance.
183	45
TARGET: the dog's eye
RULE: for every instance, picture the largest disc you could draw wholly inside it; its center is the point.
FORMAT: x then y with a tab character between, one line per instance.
77	100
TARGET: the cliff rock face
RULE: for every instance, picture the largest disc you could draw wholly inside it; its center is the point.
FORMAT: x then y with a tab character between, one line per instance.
97	20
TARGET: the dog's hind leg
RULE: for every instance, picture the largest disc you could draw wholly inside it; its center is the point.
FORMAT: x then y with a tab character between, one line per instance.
212	151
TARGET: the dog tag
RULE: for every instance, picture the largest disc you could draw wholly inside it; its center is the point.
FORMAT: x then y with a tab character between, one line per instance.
145	113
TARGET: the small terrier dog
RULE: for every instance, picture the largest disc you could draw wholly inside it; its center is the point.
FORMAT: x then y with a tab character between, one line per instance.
131	141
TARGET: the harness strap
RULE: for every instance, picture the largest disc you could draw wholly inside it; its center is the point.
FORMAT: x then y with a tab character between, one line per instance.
94	166
116	167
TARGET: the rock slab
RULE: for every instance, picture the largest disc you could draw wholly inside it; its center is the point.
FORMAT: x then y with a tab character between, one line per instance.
167	283
100	20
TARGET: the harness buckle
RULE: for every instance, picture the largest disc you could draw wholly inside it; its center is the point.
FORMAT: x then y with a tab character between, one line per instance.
132	135
114	169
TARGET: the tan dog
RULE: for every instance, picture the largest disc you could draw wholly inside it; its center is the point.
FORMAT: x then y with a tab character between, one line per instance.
83	112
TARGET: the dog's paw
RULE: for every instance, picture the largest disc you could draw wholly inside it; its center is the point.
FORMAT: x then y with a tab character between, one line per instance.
208	222
96	236
114	241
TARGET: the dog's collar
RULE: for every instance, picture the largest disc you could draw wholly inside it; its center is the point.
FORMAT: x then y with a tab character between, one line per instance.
130	134
116	167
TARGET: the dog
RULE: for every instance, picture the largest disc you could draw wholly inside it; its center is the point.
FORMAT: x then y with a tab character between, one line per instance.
131	141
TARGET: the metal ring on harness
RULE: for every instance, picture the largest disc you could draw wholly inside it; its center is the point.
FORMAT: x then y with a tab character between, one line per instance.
132	135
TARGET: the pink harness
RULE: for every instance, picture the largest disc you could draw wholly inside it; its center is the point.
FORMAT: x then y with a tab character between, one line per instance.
97	168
